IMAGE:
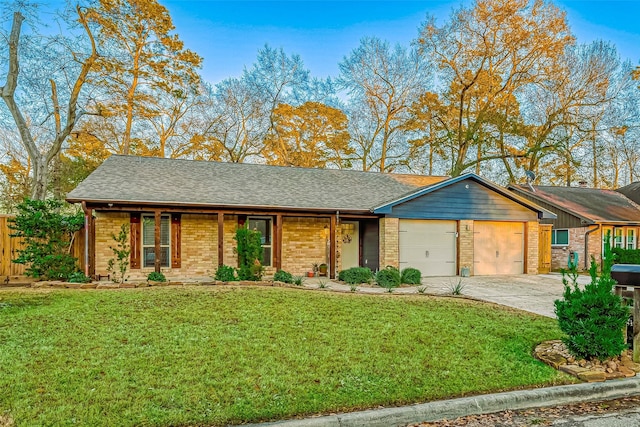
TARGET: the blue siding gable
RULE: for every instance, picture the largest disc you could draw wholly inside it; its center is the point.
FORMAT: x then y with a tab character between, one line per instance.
465	199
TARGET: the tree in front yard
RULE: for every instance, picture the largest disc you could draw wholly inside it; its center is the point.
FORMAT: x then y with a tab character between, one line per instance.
47	235
249	250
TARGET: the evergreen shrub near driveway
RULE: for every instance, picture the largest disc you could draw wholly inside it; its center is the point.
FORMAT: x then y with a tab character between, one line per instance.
411	276
388	278
593	318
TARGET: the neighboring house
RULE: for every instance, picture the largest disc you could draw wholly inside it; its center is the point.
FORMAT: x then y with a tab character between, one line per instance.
584	217
187	211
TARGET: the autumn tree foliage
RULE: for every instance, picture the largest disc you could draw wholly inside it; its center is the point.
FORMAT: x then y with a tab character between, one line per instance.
147	76
312	135
45	121
486	55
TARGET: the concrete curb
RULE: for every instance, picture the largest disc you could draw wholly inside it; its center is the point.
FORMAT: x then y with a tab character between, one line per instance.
483	404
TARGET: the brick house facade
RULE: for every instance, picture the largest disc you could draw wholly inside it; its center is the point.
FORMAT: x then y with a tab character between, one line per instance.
351	218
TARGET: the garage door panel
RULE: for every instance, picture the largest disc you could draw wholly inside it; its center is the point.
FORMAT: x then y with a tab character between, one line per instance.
498	248
429	246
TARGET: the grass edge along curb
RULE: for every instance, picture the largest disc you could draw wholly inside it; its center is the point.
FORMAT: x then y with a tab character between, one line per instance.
475	405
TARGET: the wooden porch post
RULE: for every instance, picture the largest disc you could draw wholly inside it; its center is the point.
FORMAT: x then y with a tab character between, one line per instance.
278	254
220	238
332	247
158	262
89	241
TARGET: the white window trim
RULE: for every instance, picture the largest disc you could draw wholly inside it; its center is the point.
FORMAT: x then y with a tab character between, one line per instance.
622	238
633	238
270	245
142	245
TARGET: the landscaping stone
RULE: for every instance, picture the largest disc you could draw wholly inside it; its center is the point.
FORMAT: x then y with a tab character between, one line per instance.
108	286
88	285
71	285
127	285
555	354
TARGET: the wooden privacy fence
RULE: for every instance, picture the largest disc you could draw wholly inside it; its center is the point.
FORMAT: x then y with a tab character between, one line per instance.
9	247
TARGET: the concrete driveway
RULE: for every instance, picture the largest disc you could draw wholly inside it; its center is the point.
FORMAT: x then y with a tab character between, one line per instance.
534	293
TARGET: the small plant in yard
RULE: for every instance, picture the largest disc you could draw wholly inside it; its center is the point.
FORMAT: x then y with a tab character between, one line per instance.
283	276
388	278
322	284
118	265
298	280
353	287
411	276
356	275
456	288
593	318
78	277
422	289
156	276
224	273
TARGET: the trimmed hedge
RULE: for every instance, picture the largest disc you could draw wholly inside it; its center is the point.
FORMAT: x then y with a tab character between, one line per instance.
224	273
626	256
411	276
356	275
283	276
388	278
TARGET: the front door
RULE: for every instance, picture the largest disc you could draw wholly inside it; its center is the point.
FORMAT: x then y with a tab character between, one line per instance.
350	251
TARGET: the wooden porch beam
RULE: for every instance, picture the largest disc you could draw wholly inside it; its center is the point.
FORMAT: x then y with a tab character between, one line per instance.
220	238
332	246
278	242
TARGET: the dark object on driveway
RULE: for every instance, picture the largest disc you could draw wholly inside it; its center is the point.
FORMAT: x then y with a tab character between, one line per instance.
626	274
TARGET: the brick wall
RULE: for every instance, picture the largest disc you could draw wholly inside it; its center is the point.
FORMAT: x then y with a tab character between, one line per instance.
560	254
531	248
389	242
305	241
107	224
465	245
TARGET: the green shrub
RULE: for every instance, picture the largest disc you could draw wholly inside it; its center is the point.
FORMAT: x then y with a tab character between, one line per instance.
249	250
593	318
356	275
626	256
388	278
283	276
78	277
411	276
224	273
156	276
46	233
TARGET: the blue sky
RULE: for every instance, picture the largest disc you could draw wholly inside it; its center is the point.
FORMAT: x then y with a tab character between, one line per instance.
228	34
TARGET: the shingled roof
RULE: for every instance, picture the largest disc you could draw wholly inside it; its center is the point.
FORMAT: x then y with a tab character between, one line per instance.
631	191
592	205
149	180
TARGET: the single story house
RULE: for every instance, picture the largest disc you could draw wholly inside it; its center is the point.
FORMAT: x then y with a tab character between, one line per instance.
187	212
584	218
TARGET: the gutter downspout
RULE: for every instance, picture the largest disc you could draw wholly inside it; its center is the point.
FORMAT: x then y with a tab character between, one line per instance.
586	245
86	238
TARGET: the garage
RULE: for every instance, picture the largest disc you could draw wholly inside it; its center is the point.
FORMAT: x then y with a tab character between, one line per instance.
429	246
498	248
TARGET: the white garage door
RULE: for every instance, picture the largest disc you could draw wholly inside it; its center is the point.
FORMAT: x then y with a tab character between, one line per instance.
429	246
498	248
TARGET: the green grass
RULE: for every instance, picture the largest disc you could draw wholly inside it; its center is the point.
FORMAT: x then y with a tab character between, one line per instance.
211	356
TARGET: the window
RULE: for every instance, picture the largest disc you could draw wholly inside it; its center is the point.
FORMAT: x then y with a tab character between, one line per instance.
617	238
263	225
631	238
148	240
559	237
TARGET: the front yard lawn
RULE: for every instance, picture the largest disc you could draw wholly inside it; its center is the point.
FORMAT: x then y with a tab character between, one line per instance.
213	356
